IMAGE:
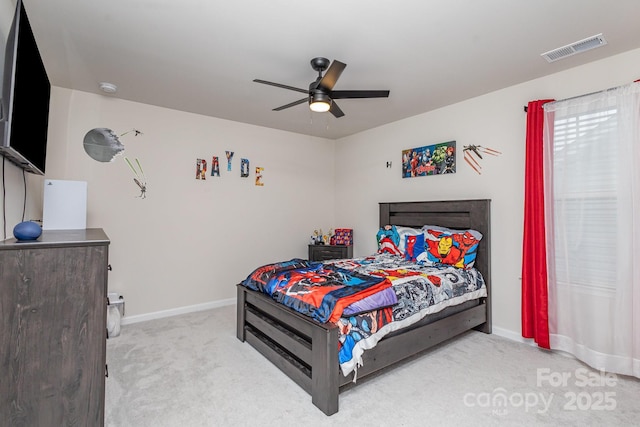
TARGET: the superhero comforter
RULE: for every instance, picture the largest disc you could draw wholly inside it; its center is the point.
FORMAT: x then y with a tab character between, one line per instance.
367	298
320	291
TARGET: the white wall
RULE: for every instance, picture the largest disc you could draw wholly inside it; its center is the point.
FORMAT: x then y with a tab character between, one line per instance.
495	120
190	241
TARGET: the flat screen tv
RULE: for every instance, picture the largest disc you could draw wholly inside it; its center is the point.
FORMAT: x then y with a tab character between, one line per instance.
24	107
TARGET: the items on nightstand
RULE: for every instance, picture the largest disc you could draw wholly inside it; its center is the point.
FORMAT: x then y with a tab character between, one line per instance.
318	238
343	236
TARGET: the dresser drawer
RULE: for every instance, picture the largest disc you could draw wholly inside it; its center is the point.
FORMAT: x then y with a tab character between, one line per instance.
327	252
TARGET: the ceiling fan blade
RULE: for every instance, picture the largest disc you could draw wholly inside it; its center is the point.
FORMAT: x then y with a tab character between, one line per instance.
335	110
281	86
330	78
292	104
344	94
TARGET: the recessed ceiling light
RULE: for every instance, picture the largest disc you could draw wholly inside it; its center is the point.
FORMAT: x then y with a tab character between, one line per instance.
108	87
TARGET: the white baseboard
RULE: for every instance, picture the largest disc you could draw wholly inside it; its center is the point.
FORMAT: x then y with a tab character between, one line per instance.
512	335
127	320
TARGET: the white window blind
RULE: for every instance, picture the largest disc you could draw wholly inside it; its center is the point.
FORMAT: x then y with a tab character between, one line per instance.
584	185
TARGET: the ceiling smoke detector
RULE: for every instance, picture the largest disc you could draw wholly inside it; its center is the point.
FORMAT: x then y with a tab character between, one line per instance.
573	48
108	87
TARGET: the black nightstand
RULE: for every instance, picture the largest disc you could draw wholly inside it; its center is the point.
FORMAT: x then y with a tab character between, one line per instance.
327	252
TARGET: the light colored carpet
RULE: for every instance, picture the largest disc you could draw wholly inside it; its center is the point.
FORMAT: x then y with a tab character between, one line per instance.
191	370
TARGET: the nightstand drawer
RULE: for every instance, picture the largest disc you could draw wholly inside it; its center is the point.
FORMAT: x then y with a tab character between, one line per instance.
327	252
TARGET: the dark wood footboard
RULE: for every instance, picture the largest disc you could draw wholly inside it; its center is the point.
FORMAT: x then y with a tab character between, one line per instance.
307	351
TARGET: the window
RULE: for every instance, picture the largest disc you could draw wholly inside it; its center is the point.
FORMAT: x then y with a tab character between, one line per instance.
584	194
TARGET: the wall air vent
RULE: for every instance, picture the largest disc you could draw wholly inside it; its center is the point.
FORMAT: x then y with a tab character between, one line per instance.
573	48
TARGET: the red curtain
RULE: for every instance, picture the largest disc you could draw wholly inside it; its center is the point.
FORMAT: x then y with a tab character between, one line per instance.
535	314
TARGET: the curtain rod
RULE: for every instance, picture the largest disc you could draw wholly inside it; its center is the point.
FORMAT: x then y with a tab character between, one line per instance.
586	94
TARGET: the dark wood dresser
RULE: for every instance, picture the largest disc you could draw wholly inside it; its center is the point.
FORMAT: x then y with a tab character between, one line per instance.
53	329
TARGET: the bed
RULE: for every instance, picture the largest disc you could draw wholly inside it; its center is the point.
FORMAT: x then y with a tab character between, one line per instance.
307	350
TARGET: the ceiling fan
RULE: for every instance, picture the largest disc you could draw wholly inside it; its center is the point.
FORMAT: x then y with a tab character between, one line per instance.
320	94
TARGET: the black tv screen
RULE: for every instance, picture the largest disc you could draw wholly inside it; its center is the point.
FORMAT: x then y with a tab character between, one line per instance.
26	92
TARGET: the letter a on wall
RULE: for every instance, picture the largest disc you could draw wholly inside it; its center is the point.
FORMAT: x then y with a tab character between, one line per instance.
215	166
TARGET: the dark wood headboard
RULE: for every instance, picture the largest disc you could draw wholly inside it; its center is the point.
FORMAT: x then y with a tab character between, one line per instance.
460	214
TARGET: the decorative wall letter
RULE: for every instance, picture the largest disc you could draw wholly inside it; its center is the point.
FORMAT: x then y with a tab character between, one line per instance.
201	169
244	168
215	166
229	157
259	176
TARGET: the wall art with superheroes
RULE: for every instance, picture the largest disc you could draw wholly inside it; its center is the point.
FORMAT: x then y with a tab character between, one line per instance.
437	159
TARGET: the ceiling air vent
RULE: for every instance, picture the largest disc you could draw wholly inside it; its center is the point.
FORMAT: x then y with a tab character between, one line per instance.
573	48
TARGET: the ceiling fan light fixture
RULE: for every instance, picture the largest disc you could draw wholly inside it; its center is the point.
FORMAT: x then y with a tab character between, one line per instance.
320	102
320	106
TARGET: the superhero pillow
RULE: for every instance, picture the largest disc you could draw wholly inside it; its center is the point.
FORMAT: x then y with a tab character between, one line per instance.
388	240
403	232
414	249
393	238
386	245
452	247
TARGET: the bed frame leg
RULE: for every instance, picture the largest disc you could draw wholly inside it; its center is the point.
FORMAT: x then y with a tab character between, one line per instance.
240	309
324	373
486	326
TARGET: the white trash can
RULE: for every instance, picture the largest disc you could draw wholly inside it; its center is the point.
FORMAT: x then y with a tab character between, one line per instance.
115	311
